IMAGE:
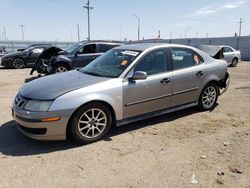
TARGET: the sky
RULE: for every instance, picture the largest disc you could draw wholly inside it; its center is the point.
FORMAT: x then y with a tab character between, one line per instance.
56	20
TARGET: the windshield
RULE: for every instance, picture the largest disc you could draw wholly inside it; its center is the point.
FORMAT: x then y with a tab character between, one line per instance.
73	48
111	64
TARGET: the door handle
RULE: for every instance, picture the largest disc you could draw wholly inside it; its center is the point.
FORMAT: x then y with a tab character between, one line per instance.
165	80
200	73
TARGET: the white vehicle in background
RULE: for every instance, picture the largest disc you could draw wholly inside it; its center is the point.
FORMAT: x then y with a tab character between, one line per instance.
232	56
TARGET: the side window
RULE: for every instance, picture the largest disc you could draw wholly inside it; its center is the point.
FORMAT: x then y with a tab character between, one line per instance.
226	49
105	47
153	63
37	50
89	49
184	58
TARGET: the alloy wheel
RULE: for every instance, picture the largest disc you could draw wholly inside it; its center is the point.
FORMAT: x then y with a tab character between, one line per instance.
18	63
61	69
92	123
209	97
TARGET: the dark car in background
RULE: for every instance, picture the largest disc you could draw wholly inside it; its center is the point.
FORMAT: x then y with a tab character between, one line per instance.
55	60
25	58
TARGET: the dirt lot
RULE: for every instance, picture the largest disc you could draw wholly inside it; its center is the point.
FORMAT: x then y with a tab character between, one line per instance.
161	152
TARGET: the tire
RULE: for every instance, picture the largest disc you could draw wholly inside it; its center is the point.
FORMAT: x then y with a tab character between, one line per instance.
86	127
234	62
208	97
18	63
61	67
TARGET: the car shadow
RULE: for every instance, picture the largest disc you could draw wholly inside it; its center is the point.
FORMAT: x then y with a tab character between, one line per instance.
27	80
14	143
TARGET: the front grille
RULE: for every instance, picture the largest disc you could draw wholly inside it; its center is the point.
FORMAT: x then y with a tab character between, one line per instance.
20	101
36	131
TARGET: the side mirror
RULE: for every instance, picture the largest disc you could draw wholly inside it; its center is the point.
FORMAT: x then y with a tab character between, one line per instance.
138	75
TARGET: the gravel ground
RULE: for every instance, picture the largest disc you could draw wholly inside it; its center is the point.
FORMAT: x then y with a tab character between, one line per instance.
182	149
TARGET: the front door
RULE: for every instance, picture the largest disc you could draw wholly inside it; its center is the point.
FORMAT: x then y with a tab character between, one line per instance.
85	55
188	76
152	94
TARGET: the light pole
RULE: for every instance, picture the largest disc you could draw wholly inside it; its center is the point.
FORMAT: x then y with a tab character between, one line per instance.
78	33
139	25
22	26
186	30
88	9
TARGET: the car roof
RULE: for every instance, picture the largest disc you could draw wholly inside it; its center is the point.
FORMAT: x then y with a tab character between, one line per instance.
145	46
100	42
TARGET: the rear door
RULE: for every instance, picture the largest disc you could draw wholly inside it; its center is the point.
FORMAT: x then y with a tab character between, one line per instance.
152	94
228	54
188	76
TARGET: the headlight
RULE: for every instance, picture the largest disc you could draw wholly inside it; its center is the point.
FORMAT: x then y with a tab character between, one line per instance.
38	106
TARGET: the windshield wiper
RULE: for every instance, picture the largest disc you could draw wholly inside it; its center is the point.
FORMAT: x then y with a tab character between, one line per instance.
93	73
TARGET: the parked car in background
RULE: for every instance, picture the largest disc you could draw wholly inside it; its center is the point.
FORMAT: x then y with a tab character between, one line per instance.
2	52
25	58
126	84
55	60
232	56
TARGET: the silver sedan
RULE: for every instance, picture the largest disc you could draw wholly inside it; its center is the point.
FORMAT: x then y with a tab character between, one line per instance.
232	56
126	84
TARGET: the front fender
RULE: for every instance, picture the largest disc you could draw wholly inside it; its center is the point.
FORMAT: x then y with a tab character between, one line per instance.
109	92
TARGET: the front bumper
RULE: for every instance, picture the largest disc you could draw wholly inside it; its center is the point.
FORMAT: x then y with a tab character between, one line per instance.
6	62
30	124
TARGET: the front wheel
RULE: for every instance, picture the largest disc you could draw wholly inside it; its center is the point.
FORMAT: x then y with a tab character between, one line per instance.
90	123
18	63
60	68
208	97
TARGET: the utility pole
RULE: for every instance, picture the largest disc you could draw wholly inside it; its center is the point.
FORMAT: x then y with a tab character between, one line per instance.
240	22
159	34
4	34
88	7
78	33
239	35
139	25
22	26
186	30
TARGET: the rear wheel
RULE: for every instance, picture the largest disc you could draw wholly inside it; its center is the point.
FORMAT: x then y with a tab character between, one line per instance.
235	62
208	97
18	63
90	123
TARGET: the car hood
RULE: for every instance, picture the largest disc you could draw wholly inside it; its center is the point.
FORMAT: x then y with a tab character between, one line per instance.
12	54
49	52
212	50
51	87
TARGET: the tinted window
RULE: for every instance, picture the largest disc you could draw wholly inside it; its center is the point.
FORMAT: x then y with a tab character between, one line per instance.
153	63
105	47
89	49
183	58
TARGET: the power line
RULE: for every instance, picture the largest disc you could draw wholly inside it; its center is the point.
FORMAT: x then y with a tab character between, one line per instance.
88	7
